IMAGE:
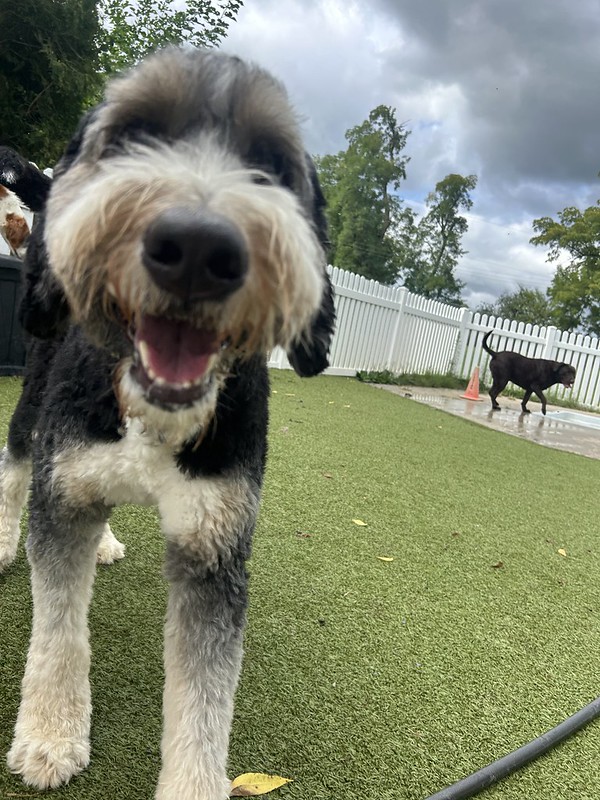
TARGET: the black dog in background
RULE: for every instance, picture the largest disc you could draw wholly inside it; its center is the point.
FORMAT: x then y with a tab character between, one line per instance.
532	374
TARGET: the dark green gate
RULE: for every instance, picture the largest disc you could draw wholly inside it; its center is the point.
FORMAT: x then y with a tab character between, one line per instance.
12	348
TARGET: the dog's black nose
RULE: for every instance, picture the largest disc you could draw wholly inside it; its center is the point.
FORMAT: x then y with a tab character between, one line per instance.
195	255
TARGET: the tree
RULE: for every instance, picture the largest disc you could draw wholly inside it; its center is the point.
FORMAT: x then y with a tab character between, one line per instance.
48	67
575	288
431	247
524	305
132	28
359	184
55	56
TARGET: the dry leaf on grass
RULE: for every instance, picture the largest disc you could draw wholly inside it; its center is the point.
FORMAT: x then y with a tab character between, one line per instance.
498	565
360	523
562	552
385	558
252	784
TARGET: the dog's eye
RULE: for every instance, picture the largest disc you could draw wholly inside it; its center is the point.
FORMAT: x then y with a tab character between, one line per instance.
272	160
262	179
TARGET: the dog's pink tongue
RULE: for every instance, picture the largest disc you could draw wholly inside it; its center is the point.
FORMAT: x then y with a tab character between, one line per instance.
174	351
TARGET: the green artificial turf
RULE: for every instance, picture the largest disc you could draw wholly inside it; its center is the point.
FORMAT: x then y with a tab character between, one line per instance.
367	679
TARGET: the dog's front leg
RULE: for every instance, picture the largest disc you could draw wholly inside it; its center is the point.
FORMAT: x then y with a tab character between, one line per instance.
542	398
203	654
51	739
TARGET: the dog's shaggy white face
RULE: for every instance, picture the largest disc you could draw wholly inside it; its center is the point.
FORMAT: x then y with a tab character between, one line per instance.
184	217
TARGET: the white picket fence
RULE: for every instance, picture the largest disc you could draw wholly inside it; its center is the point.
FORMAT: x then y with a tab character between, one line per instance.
388	328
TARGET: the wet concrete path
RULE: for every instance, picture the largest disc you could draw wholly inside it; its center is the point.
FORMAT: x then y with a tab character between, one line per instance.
548	431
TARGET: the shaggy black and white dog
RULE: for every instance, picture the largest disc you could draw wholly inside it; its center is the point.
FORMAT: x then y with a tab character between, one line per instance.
182	238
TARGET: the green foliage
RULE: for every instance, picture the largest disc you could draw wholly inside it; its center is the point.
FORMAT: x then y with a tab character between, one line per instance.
372	233
358	184
132	28
431	247
48	68
428	379
524	305
575	288
55	56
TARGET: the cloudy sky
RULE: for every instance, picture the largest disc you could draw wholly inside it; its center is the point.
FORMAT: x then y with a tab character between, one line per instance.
508	90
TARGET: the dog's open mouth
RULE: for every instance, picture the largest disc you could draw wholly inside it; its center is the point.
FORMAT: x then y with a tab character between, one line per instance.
567	384
173	360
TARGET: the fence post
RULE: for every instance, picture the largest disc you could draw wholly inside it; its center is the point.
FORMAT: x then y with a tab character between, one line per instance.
549	345
461	340
402	293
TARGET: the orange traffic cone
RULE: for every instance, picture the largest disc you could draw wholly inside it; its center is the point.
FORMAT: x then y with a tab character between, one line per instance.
472	392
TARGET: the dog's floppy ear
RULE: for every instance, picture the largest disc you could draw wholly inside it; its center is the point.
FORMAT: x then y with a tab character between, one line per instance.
308	354
44	310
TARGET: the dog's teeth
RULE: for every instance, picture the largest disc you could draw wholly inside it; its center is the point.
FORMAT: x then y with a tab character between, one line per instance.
144	352
157	379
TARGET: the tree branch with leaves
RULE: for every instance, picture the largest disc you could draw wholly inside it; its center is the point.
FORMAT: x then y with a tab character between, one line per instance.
55	56
575	289
359	184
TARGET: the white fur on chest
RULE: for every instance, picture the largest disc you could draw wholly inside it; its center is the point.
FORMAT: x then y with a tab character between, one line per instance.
137	469
200	513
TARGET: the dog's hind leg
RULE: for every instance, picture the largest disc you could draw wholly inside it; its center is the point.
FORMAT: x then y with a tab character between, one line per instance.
51	738
15	476
524	402
110	548
497	387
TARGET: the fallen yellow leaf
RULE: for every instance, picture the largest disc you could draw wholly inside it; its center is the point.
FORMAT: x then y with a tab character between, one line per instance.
359	522
385	558
562	552
251	784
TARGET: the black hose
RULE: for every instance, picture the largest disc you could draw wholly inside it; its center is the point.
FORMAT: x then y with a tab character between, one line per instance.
506	765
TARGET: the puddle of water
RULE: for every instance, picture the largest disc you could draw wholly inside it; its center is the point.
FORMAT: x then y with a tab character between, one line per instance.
574	418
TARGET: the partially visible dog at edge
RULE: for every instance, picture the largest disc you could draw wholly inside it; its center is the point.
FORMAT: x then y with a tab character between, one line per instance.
532	374
182	238
14	228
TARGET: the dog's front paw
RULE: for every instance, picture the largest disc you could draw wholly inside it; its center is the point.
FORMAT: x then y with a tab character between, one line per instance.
47	764
110	548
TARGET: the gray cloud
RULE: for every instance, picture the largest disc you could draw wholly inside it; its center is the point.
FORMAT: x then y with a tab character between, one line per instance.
506	89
